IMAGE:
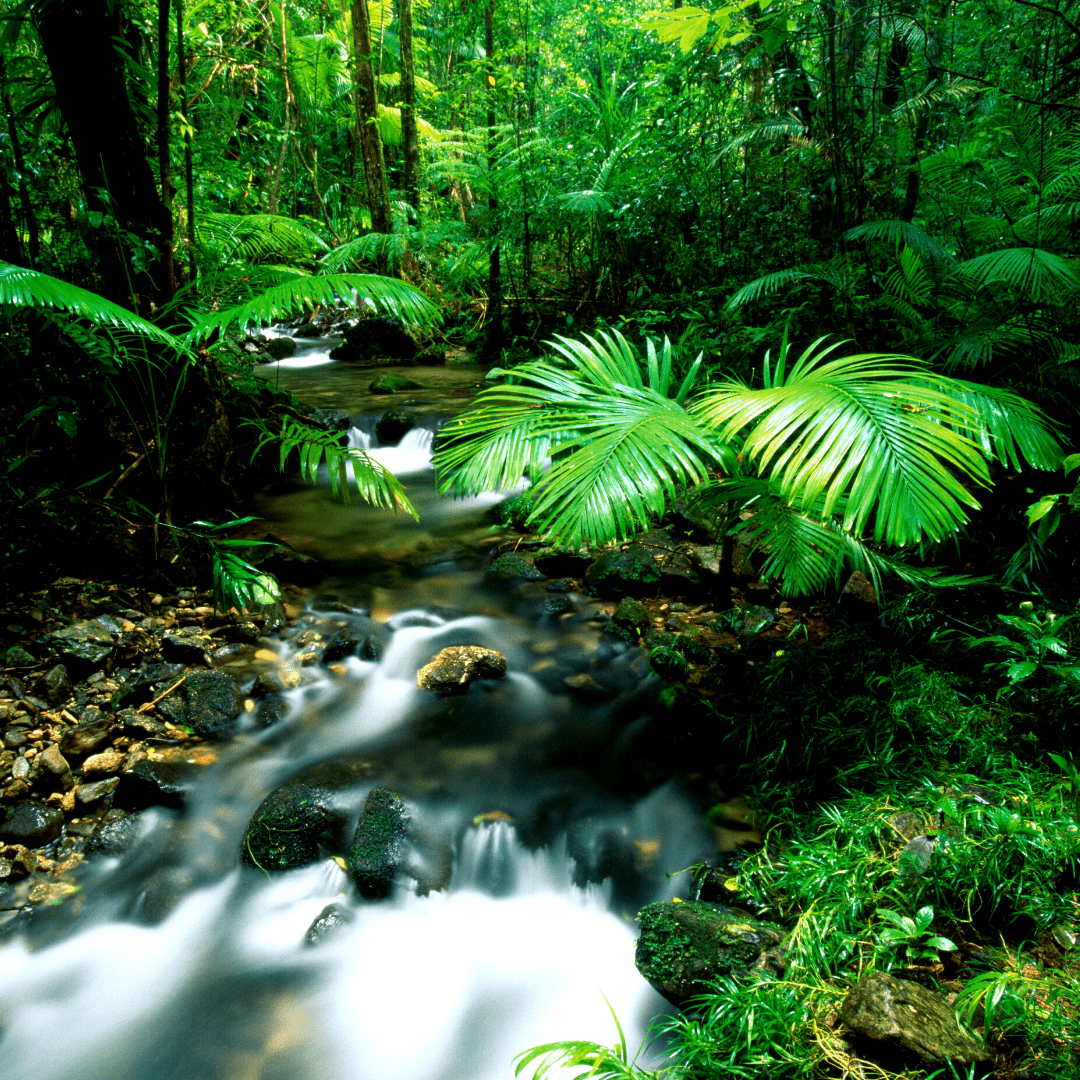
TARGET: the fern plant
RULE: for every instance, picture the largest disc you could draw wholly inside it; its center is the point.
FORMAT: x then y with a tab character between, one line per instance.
828	454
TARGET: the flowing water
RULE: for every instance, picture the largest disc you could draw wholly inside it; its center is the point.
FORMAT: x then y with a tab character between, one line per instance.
175	962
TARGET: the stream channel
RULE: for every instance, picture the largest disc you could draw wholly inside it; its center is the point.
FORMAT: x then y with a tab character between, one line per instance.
560	828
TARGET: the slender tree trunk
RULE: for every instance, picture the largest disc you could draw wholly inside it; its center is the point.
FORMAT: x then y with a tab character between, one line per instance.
367	122
30	222
409	139
494	339
77	37
189	174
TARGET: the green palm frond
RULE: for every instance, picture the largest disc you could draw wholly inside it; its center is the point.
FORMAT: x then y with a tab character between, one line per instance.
22	288
896	232
256	237
619	447
764	286
1040	274
390	126
864	430
291	298
586	202
368	248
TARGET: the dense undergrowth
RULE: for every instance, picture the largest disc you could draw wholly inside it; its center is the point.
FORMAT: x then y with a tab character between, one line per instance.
916	815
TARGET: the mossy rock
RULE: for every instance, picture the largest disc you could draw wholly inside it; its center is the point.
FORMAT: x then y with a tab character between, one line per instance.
513	513
624	573
392	384
512	567
379	845
631	614
289	828
684	948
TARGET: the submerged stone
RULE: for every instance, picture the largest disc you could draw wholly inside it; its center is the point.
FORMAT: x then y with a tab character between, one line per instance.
327	923
900	1025
684	948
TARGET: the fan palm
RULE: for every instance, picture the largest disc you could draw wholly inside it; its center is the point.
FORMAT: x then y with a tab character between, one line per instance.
828	452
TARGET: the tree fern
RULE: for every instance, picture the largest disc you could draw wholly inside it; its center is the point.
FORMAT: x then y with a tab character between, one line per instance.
291	298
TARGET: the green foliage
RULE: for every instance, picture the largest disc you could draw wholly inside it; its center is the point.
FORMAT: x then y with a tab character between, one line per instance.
236	582
345	466
911	937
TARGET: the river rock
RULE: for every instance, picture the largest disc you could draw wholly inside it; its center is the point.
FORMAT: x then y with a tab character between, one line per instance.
207	703
87	644
378	847
393	425
562	562
54	686
187	648
92	793
280	348
392	384
375	339
453	669
365	641
155	783
624	573
329	921
325	419
114	838
631	614
900	1025
511	567
32	825
683	948
94	730
289	828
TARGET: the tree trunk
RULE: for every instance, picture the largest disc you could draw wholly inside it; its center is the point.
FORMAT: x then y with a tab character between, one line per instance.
30	223
367	122
410	142
77	37
189	176
494	338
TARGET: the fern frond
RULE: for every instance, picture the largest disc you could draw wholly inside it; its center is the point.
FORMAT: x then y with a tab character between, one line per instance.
22	288
382	294
1040	274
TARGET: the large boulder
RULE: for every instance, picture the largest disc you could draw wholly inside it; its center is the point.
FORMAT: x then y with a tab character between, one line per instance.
900	1025
453	669
375	339
394	425
280	348
684	948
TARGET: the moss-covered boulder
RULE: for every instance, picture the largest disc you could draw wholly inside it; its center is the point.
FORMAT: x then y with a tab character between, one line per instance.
901	1025
624	573
380	843
683	948
511	567
290	828
632	615
206	702
392	384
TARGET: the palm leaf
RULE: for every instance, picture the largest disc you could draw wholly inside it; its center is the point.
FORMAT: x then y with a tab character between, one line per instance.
619	448
896	232
1041	274
763	286
254	237
291	298
22	288
864	430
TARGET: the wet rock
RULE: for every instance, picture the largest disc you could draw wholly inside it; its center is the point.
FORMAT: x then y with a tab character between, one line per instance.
366	642
187	648
207	703
393	425
32	825
271	710
114	838
280	348
562	562
87	644
453	669
327	923
326	419
585	687
375	339
108	761
513	568
149	682
378	847
54	686
900	1025
755	619
683	948
624	573
91	793
556	605
631	614
155	783
289	828
561	585
94	730
392	384
51	760
18	657
859	595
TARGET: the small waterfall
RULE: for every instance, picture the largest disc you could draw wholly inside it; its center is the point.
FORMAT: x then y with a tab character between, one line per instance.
411	455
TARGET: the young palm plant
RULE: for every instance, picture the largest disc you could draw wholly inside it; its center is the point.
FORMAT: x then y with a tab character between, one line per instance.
828	455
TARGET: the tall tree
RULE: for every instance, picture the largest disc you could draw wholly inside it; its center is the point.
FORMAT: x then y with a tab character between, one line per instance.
367	121
88	72
409	139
